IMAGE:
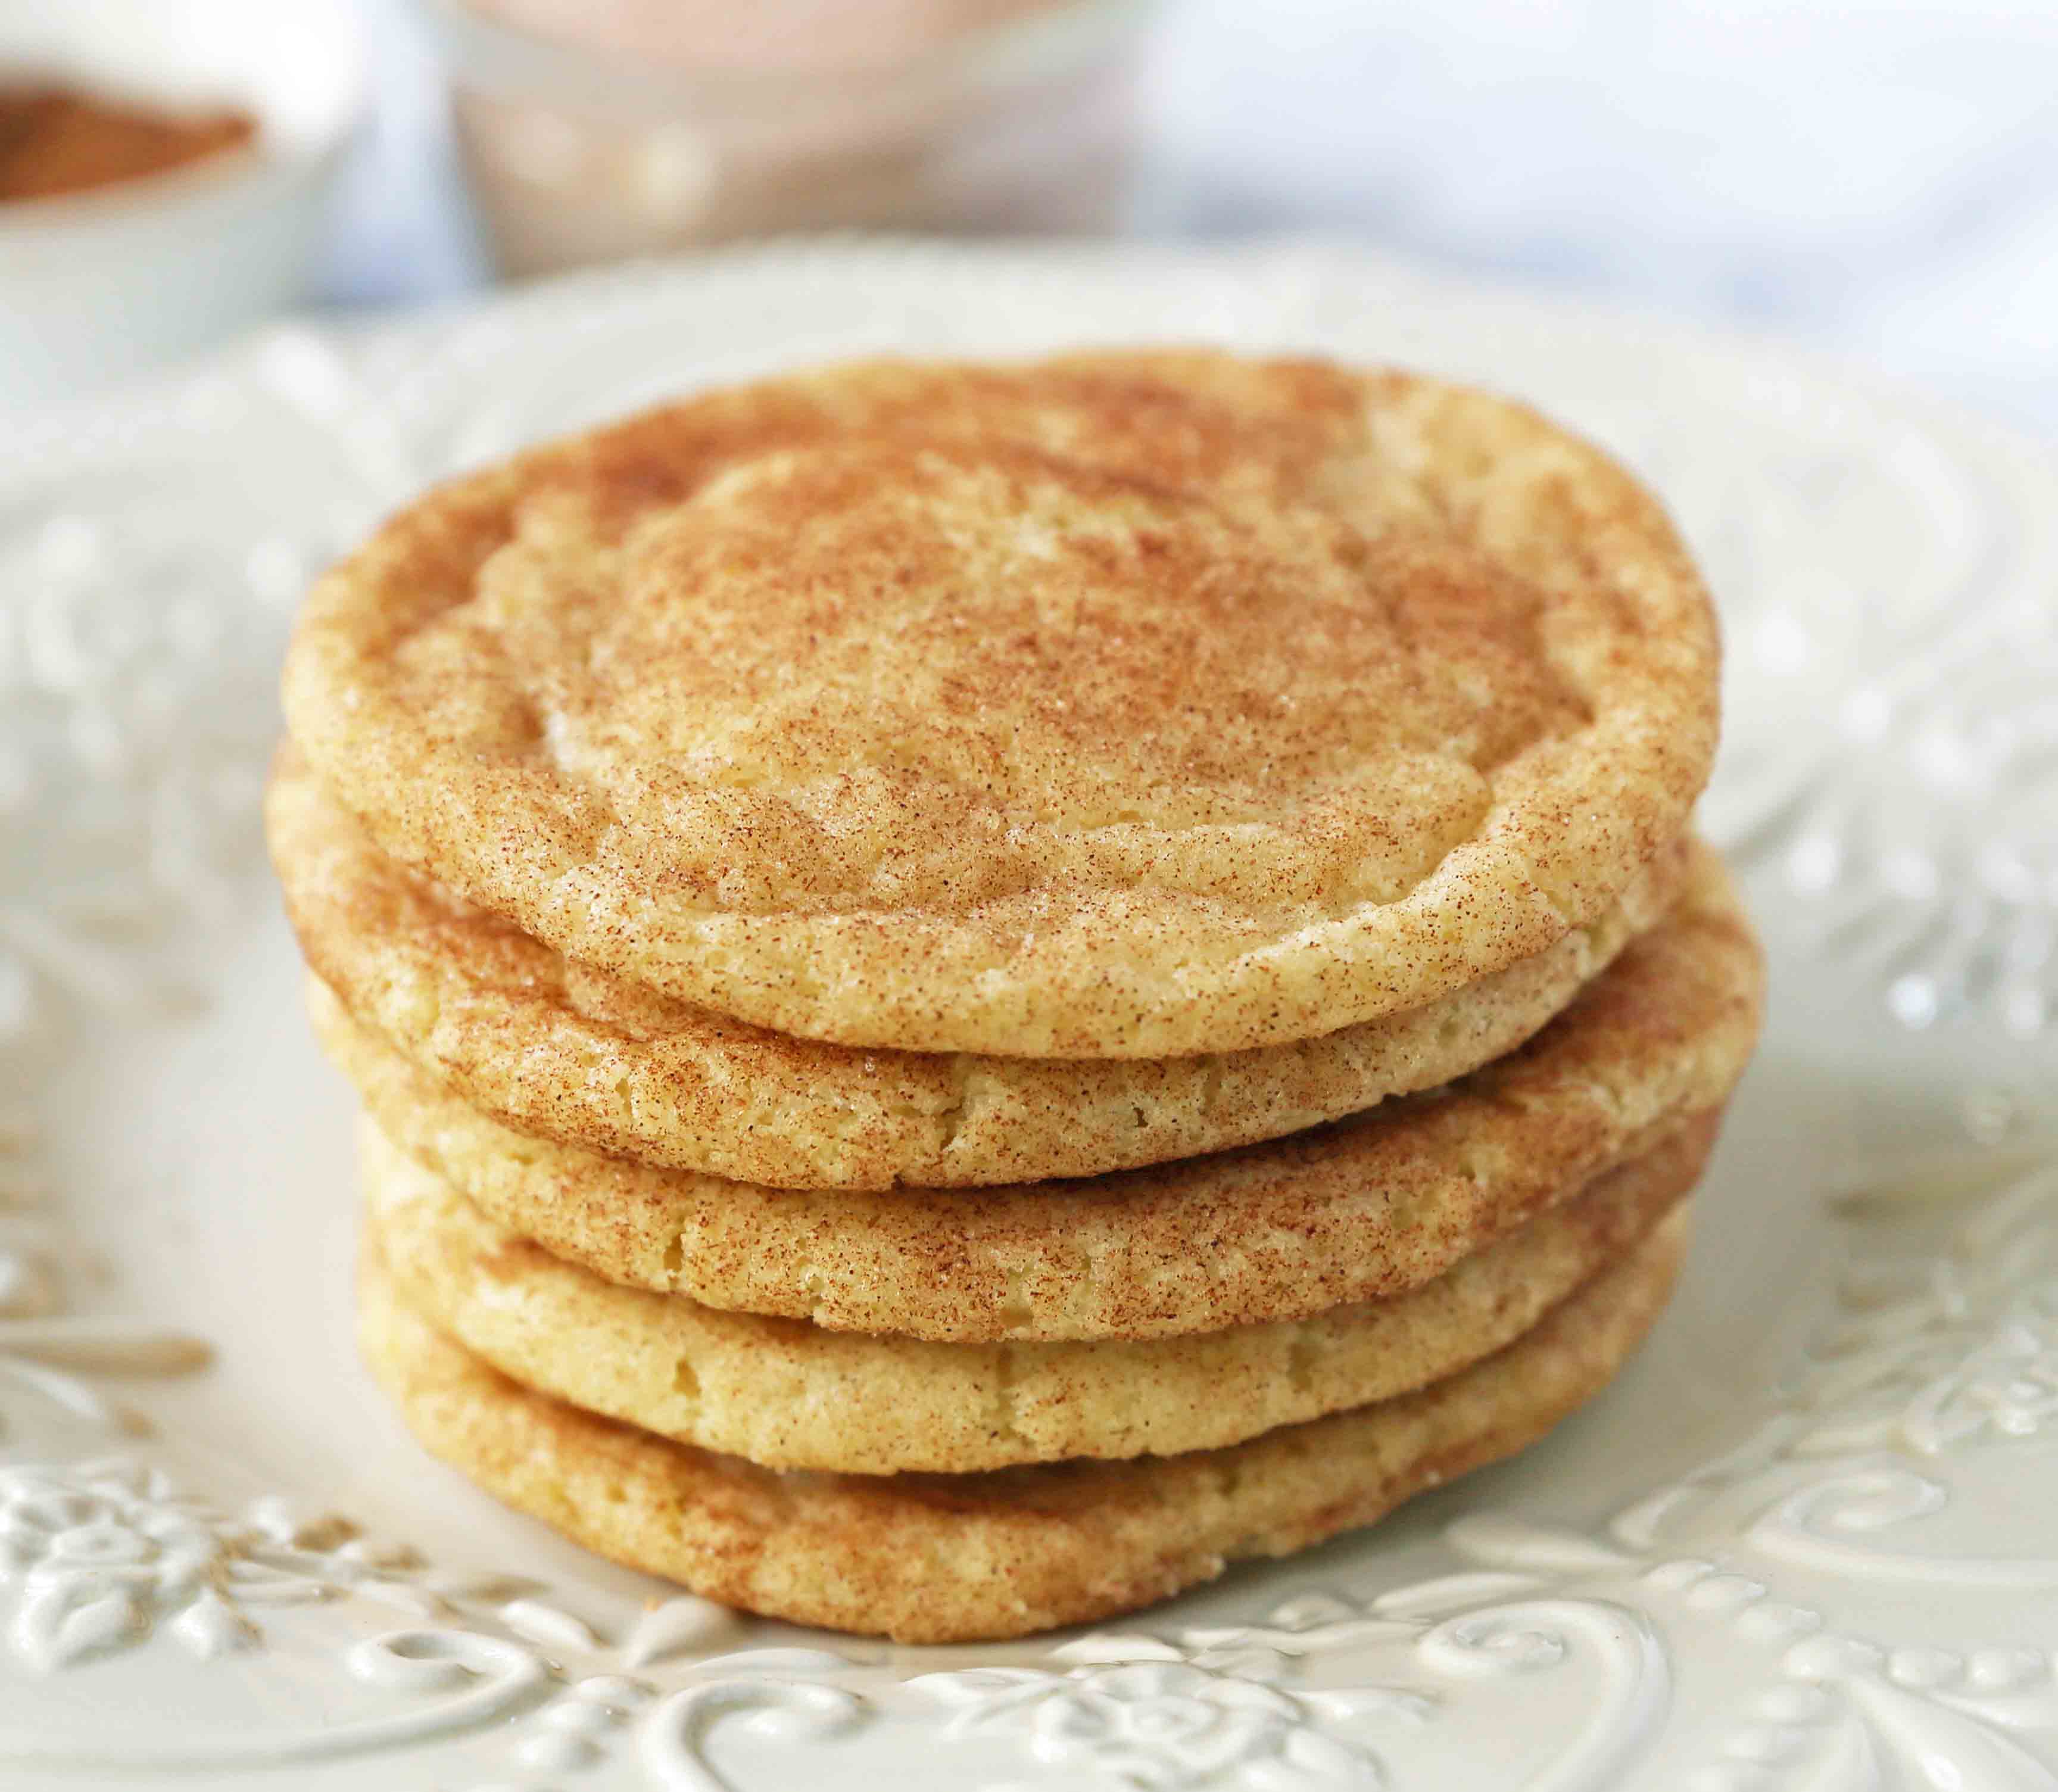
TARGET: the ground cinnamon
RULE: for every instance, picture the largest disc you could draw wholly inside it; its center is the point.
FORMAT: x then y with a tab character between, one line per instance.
60	140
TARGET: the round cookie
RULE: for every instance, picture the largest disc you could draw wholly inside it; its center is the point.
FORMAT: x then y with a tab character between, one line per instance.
957	1558
785	1394
577	1055
1357	1211
1125	704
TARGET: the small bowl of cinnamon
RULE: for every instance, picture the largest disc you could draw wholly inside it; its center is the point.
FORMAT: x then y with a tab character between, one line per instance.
166	167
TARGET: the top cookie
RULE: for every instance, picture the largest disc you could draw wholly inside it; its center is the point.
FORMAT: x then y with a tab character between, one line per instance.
1118	705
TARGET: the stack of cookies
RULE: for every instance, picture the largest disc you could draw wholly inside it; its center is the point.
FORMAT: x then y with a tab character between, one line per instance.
979	990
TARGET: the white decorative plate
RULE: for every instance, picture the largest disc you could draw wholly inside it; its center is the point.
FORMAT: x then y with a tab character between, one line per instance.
1811	1540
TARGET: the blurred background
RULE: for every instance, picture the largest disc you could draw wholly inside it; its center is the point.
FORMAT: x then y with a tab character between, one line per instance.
1876	178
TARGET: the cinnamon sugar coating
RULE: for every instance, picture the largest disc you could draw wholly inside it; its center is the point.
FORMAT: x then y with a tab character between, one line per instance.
1362	1210
1125	704
785	1394
562	1051
957	1558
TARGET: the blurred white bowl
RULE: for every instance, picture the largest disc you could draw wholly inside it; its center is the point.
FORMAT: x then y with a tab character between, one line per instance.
100	284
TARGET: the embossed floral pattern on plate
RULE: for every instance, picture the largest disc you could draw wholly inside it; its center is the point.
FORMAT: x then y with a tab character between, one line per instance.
1806	1544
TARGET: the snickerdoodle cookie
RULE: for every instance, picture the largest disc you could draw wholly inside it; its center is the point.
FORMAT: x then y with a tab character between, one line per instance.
1123	704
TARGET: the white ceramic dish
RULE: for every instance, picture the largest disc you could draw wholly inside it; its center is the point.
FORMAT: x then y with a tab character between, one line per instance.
98	285
1806	1543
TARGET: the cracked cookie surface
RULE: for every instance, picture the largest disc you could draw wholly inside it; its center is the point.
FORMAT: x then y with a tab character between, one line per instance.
786	1394
1359	1210
1119	706
956	1558
557	1049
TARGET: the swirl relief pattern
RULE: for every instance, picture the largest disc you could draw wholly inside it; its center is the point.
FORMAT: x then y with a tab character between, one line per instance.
214	1562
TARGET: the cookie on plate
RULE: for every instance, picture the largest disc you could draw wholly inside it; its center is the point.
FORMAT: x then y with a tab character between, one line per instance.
786	1394
568	1052
1358	1210
957	1558
979	989
1123	705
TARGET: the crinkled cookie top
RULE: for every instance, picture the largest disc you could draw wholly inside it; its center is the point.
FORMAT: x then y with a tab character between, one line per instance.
1119	706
